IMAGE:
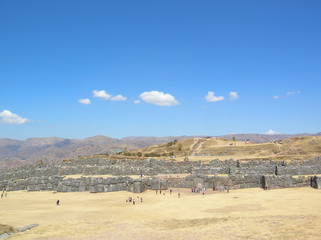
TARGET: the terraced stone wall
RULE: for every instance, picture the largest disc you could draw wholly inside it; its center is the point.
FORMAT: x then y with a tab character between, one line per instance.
276	174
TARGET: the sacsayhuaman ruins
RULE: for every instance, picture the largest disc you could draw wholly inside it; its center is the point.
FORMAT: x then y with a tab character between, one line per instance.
85	174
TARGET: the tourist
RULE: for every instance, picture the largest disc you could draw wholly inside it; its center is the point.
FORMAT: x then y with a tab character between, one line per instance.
58	202
179	195
133	201
141	199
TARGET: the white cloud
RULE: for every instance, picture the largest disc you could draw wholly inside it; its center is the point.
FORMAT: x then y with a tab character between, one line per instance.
101	94
118	98
233	95
210	97
292	93
276	97
158	98
104	95
11	118
84	101
137	101
271	132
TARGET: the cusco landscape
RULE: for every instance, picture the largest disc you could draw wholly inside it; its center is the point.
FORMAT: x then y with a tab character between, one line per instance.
179	189
162	119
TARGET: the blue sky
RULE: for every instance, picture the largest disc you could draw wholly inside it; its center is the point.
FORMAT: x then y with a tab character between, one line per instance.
78	68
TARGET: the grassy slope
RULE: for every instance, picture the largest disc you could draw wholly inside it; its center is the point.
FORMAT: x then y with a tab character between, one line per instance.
198	148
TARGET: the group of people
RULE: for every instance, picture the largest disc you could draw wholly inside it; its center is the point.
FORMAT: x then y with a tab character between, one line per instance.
199	190
222	189
203	190
133	200
3	194
170	192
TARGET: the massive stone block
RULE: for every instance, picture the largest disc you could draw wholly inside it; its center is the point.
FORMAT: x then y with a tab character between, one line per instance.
138	187
316	182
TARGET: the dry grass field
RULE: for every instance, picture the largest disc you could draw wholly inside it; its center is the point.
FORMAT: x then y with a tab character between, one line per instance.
241	214
207	149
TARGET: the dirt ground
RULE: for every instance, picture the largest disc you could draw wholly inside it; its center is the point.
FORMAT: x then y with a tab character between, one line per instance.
240	214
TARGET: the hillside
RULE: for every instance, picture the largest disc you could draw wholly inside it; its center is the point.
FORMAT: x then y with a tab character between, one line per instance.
217	148
14	153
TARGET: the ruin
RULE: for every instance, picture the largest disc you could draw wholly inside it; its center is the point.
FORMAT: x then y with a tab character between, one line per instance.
138	175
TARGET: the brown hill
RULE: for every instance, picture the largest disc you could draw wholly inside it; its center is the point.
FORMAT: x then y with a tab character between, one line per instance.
15	152
217	148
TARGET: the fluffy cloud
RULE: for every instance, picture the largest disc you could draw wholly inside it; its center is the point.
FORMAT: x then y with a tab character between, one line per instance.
11	118
103	95
84	101
271	132
210	97
137	101
233	95
158	98
276	97
292	93
118	98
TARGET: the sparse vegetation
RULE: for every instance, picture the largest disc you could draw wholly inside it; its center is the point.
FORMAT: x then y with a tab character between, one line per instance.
216	148
6	229
171	143
180	147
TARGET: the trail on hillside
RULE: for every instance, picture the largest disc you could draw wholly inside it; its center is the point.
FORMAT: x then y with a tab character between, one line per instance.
197	145
193	145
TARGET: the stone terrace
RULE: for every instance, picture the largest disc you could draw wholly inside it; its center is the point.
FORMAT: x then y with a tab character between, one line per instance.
160	174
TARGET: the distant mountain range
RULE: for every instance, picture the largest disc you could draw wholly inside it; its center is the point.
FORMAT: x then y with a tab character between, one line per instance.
15	152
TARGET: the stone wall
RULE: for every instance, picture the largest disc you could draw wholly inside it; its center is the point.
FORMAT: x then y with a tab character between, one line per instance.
286	181
31	184
238	174
94	185
112	184
96	166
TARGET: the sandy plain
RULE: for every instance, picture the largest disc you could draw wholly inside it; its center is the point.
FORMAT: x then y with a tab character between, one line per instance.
240	214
